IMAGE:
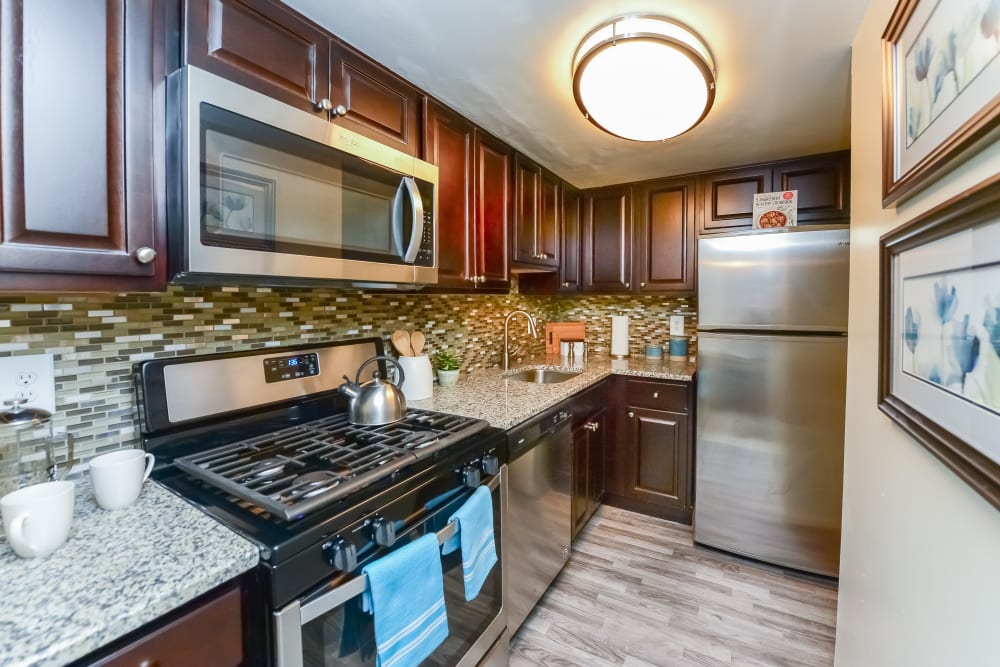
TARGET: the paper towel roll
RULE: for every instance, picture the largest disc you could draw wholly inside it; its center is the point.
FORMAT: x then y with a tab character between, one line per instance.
619	335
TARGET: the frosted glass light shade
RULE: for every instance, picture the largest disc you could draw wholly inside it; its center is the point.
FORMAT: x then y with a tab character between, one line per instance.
643	78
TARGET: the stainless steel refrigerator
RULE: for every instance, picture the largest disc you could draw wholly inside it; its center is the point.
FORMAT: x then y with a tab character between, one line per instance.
772	371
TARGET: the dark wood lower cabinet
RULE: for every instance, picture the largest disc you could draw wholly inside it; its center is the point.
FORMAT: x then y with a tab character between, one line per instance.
588	468
208	631
650	460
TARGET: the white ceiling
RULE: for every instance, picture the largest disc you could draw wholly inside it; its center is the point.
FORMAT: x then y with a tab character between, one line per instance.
782	75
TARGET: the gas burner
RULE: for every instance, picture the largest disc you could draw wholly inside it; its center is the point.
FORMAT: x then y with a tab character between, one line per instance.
266	468
314	483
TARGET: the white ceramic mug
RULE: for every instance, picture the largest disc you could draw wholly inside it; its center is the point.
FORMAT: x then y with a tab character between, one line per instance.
117	477
37	518
419	377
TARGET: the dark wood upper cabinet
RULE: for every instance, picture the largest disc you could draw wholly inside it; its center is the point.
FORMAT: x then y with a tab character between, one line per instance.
824	187
549	219
665	238
607	240
262	45
379	104
449	144
527	187
82	195
493	193
570	271
728	197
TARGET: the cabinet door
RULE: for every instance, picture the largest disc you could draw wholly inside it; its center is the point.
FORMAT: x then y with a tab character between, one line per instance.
549	219
595	461
824	185
527	192
658	458
82	196
493	194
728	198
449	145
262	45
569	261
581	478
607	240
665	236
379	104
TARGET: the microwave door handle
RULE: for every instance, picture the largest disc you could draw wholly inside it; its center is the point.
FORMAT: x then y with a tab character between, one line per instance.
417	233
397	218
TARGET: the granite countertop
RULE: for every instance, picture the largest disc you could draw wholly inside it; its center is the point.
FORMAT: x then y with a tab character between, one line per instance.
488	394
116	572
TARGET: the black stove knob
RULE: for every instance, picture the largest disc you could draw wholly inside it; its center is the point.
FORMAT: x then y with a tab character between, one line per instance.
382	531
341	554
490	465
470	476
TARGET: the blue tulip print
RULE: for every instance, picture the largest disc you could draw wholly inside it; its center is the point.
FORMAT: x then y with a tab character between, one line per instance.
945	303
992	325
966	349
911	333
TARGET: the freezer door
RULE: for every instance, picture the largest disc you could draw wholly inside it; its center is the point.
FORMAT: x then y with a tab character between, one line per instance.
770	447
782	280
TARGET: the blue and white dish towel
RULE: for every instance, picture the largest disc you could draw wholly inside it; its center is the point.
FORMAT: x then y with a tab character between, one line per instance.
475	534
405	594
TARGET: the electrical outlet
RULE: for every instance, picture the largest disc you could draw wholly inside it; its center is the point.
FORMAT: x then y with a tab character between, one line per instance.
676	325
31	377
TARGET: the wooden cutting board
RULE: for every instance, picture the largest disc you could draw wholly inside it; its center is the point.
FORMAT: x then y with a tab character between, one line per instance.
556	331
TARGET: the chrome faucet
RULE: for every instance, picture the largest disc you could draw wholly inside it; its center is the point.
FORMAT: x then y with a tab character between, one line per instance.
506	334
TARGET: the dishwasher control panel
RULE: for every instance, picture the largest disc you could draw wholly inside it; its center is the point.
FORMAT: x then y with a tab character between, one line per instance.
526	435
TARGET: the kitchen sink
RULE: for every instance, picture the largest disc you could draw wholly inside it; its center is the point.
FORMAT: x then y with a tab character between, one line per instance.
542	376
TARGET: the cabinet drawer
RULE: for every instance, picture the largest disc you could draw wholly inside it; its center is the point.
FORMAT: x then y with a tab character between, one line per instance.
210	634
657	395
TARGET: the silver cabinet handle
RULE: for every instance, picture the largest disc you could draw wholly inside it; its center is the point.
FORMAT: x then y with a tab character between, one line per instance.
656	394
591	426
145	255
628	285
565	283
642	284
324	104
631	415
339	110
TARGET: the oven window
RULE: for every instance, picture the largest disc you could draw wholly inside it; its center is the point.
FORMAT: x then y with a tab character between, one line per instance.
266	189
346	635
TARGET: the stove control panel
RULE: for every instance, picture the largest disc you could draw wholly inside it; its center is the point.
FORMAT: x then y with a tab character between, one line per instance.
293	367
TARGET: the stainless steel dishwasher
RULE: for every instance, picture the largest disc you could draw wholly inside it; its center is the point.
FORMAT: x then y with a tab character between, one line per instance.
538	527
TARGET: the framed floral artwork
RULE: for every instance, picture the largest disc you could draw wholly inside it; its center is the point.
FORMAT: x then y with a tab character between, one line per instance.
940	88
939	333
237	205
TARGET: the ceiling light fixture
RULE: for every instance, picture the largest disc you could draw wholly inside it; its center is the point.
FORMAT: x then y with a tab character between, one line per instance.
643	77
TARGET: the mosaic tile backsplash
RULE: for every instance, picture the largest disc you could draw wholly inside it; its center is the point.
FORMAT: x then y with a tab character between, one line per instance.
96	338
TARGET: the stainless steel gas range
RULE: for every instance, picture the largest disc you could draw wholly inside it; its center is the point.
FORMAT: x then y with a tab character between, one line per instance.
272	456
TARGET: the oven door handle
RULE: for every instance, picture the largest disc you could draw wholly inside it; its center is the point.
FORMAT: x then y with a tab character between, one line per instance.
315	608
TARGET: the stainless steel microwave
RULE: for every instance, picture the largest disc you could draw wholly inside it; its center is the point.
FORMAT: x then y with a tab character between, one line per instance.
268	193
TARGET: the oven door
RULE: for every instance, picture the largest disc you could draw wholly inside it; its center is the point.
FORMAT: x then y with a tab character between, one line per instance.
327	626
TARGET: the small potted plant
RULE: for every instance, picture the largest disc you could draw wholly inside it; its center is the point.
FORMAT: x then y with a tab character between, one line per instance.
447	364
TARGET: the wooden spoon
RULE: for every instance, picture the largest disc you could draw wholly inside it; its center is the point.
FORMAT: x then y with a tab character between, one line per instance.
417	340
401	341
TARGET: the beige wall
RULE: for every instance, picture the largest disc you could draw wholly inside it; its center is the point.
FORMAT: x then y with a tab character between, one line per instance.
920	568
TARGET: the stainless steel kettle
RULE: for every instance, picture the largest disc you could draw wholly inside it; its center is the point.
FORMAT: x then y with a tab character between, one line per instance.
375	402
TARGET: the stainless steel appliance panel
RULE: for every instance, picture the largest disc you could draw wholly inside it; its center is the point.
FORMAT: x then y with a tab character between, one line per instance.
538	530
770	432
794	279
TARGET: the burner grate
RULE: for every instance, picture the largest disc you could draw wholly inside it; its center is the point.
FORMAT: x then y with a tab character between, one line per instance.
298	469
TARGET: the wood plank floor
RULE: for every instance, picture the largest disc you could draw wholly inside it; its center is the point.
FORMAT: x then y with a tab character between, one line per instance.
638	592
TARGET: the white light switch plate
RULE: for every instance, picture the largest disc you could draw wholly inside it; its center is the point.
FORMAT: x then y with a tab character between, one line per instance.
676	325
29	376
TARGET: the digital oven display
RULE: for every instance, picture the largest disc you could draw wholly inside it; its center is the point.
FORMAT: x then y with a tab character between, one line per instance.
279	369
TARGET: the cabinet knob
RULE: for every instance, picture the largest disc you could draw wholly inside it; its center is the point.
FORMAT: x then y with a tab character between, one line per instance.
339	110
480	279
631	415
656	394
592	426
642	284
628	285
145	255
565	283
324	104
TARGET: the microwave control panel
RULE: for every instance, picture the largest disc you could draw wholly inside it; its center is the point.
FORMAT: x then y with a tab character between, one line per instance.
425	257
